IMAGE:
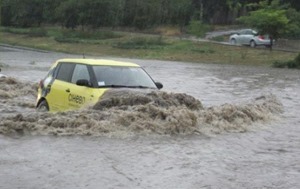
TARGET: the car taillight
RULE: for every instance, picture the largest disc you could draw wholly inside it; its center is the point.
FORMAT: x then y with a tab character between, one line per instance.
41	84
261	37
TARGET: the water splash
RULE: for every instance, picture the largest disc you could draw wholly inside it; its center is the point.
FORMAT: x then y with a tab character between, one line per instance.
123	112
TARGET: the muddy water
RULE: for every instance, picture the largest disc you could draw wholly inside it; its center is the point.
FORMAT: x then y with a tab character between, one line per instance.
212	126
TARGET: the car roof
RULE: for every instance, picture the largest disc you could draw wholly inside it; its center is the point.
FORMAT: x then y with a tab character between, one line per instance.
252	30
100	62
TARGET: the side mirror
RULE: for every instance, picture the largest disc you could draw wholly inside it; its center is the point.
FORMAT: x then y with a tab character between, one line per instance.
83	82
159	85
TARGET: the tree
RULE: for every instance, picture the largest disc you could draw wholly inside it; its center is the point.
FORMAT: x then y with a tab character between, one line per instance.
24	13
294	24
294	3
6	13
66	14
268	19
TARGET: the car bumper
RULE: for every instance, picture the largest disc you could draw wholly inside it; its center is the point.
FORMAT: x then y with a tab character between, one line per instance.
264	42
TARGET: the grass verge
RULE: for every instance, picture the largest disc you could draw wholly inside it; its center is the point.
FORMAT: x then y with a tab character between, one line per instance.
129	45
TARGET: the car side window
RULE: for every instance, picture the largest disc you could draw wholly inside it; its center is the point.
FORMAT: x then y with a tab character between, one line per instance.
247	32
49	78
65	72
80	72
242	32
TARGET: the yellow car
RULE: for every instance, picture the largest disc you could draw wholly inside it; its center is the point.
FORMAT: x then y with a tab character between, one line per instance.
75	83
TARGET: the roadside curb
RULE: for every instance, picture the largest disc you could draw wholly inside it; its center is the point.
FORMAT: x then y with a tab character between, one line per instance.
23	48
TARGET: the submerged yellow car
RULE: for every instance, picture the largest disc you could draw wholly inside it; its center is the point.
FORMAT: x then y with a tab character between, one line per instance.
75	83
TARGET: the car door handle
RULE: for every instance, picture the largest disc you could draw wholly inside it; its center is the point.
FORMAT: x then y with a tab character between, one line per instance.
68	90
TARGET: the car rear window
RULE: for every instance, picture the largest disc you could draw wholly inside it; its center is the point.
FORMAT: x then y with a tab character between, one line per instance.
65	71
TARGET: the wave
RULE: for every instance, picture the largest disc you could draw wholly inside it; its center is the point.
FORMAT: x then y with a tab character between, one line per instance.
124	112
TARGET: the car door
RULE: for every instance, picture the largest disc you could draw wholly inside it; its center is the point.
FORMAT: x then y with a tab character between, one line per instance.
243	37
81	92
248	37
238	37
59	90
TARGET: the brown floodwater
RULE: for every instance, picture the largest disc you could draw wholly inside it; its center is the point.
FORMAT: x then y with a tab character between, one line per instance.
212	126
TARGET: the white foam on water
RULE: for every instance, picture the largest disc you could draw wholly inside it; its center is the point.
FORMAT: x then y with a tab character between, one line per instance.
127	112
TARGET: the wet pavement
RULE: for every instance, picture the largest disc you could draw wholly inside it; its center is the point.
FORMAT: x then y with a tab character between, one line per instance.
264	155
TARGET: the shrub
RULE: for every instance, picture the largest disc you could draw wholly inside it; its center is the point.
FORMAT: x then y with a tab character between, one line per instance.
288	64
90	35
37	32
203	50
68	36
198	28
279	64
297	59
22	31
141	43
32	32
66	40
219	38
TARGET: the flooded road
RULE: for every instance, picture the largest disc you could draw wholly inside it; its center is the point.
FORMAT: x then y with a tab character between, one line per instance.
259	152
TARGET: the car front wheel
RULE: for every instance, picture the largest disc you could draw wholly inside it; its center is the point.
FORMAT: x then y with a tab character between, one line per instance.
233	42
252	44
43	106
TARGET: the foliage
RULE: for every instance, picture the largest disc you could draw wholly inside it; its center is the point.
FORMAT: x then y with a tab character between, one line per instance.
37	32
90	35
71	36
288	64
142	43
269	19
293	30
220	38
198	28
146	14
22	13
32	32
21	31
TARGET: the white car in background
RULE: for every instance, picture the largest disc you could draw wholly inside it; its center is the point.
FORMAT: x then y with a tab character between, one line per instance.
250	37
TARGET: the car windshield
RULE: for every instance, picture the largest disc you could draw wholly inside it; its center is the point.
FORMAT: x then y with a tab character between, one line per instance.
121	76
248	32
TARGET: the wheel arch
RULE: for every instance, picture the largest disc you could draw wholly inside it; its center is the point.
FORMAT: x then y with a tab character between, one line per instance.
253	41
41	100
233	40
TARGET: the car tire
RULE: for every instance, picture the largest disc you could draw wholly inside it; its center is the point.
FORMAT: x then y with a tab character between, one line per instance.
252	44
43	106
233	42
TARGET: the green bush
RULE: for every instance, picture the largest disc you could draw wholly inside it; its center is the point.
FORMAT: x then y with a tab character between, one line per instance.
32	32
142	43
279	64
203	50
22	31
68	36
90	35
198	28
37	32
297	59
66	40
219	38
288	64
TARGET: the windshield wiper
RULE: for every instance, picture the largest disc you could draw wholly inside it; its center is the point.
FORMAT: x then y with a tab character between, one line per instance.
112	86
140	87
124	86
